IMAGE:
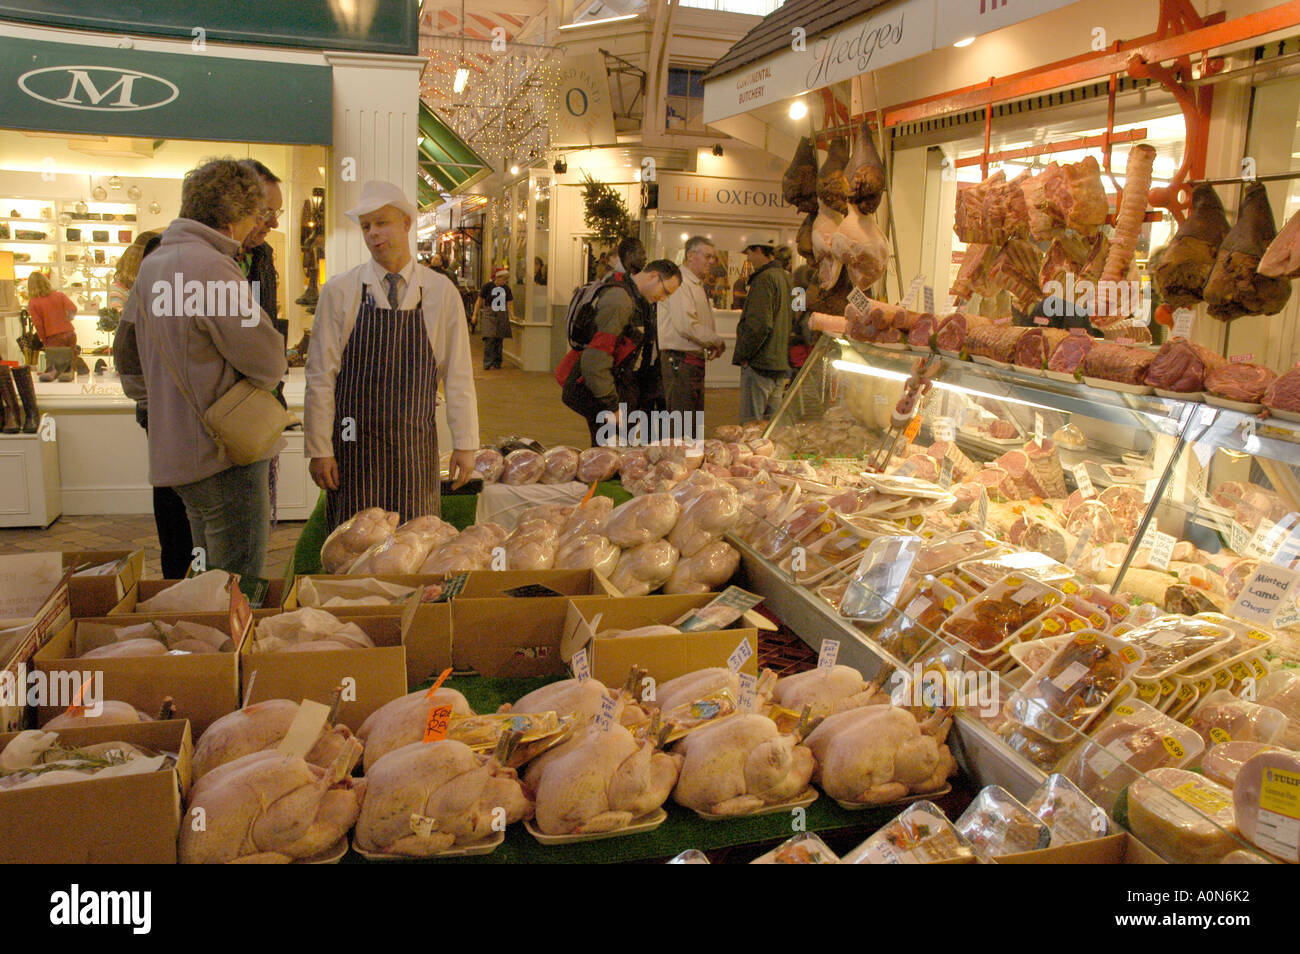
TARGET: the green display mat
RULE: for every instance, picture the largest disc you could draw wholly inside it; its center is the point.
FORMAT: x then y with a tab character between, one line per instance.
751	836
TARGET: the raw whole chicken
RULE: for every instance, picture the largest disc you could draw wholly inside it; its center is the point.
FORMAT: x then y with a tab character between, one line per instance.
642	520
642	570
579	697
268	807
693	686
127	648
471	549
879	754
256	728
837	689
690	489
596	464
860	246
739	765
461	797
402	553
523	467
561	465
589	552
488	464
706	571
402	721
434	529
531	550
587	519
111	712
603	782
707	518
354	537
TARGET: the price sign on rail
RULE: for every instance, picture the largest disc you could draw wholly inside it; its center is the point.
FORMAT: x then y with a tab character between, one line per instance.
1183	319
1083	481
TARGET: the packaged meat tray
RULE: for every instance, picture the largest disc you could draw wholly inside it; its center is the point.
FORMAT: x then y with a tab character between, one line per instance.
876	584
984	573
1031	655
1266	801
791	526
804	848
997	824
837	547
1222	717
1069	814
1281	691
1223	762
906	634
1116	610
945	552
920	835
989	622
1133	739
1182	816
1071	689
1171	643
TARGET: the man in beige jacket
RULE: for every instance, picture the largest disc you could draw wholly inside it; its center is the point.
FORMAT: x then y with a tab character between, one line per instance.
687	336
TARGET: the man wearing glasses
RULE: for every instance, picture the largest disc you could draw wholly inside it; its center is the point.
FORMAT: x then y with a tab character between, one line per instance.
255	257
687	337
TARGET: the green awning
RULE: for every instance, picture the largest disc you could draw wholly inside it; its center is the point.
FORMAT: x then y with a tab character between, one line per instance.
448	163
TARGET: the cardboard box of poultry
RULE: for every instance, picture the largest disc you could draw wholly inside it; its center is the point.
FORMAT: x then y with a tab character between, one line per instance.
132	819
487	584
203	686
663	657
369	677
427	625
507	637
106	594
1121	849
18	646
148	589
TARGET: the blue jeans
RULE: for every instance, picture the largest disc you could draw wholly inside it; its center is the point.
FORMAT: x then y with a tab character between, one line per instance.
760	395
230	517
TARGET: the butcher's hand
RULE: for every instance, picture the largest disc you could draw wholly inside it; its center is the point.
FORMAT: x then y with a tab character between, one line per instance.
325	471
460	468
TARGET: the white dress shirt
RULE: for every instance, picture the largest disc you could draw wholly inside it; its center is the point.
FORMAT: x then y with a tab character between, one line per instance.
444	320
686	317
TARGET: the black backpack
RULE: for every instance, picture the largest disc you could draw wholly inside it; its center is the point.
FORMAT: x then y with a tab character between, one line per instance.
580	321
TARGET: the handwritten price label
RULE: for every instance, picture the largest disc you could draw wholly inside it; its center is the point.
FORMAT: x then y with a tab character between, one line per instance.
943	429
913	290
1183	319
740	656
435	726
829	653
581	665
748	692
605	718
1083	481
1162	550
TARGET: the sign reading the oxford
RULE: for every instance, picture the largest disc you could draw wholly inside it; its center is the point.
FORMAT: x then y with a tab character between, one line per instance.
732	197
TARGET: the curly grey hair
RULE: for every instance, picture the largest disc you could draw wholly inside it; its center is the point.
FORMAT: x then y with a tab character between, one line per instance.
220	192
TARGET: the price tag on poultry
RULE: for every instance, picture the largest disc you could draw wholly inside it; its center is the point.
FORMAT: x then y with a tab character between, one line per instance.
748	692
435	727
605	717
1083	481
581	666
740	656
828	654
305	729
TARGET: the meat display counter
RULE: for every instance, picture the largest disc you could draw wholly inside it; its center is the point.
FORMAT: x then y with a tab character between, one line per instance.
1110	577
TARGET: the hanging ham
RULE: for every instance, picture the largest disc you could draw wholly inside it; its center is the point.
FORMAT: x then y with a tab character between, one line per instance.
799	184
1186	265
866	174
1235	288
832	183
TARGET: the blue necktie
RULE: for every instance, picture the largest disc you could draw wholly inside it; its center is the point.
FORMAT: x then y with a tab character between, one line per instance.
391	281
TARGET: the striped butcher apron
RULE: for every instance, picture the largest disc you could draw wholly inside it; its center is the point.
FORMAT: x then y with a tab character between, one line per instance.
388	385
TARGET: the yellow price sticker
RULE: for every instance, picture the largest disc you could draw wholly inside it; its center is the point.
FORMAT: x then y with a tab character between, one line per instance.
1173	747
1098	621
1258	636
1241	670
1260	667
1148	690
1201	797
1069	586
1119	611
1223	679
1167	687
1128	654
1124	710
1051	625
1204	685
1186	692
949	603
1084	638
1219	736
1077	624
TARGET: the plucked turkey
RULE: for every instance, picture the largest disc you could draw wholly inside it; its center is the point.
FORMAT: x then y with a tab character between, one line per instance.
741	764
402	721
261	726
879	754
836	689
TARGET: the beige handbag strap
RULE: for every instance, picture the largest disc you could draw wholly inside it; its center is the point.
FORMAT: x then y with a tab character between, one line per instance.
171	369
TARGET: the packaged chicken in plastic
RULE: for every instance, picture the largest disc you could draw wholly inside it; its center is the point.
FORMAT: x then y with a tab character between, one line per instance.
587	518
355	536
561	465
944	551
878	582
1182	816
804	848
707	570
488	464
1280	690
795	519
1173	642
906	634
588	552
705	519
205	593
642	520
308	630
985	572
1222	717
597	464
1069	814
920	835
1134	738
523	467
989	622
643	569
996	824
152	638
839	549
402	553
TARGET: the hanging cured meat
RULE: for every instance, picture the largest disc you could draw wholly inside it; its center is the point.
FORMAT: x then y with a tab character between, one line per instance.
866	174
1282	259
1015	269
832	183
860	246
1187	263
1235	288
972	266
992	211
799	184
823	238
804	240
1128	224
1069	196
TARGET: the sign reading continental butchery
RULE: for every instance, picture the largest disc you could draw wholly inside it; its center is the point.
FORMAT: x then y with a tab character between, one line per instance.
895	33
752	199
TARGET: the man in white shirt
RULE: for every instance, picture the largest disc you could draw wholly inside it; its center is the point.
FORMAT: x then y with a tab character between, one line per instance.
687	336
386	333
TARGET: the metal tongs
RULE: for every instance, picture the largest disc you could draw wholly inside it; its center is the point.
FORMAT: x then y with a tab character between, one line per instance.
916	386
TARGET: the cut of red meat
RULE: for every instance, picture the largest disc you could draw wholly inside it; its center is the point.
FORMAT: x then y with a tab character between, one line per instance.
922	332
997	342
1092	514
1003	430
1240	382
1126	505
1284	393
1256	505
1068	355
1181	366
1116	362
1229	493
952	331
1016	463
1036	346
1000	485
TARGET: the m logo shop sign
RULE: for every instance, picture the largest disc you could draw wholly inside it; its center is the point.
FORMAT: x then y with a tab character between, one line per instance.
100	88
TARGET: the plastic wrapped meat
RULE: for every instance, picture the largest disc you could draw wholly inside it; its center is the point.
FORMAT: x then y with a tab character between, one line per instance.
1222	717
708	570
523	467
402	553
693	486
588	518
561	465
1170	825
706	519
587	552
596	464
1263	786
488	464
531	551
717	452
642	520
645	568
355	536
434	530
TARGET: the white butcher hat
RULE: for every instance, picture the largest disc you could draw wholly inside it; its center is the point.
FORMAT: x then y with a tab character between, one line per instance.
376	194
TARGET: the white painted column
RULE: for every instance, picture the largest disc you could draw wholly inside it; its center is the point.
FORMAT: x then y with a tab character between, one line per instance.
376	115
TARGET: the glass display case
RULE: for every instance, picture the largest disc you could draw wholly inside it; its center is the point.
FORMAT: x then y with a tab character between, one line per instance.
1080	573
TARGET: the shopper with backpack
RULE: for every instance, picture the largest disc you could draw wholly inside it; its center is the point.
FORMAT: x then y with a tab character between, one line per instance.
612	341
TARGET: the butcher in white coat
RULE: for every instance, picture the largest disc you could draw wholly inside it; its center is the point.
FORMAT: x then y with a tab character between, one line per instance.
386	333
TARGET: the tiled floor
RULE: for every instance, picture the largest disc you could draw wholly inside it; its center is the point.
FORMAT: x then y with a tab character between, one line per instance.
510	402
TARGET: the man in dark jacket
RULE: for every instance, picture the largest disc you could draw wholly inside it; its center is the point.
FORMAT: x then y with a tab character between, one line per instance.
609	368
763	335
255	258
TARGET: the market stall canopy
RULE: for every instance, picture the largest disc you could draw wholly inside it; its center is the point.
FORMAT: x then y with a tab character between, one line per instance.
809	44
446	162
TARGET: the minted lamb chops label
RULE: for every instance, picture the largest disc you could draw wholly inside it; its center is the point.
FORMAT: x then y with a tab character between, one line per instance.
1269	590
1071	674
829	653
1083	481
